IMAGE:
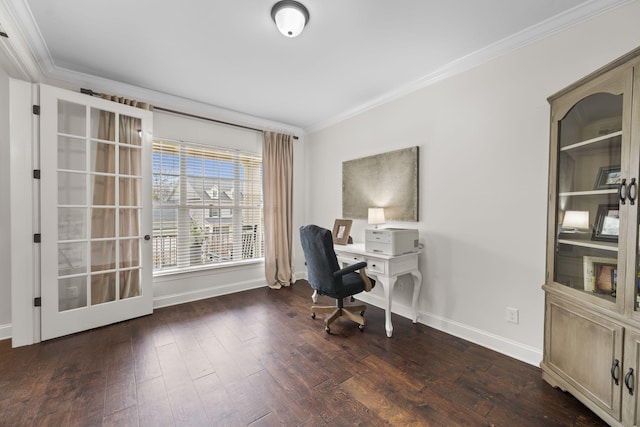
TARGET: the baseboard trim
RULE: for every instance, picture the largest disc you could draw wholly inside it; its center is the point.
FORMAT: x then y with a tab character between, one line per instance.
214	291
517	350
5	331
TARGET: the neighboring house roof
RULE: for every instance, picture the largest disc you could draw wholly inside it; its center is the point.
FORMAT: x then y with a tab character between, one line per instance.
217	194
206	189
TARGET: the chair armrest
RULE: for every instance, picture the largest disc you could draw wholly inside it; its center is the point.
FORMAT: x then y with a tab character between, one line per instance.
350	269
368	284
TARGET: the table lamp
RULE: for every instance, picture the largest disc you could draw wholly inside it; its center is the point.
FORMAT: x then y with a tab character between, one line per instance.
574	221
376	216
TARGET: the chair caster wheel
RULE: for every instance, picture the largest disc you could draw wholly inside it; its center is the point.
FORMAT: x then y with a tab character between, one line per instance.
361	327
313	315
327	330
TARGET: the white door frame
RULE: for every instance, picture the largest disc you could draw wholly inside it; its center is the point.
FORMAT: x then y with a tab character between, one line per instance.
24	213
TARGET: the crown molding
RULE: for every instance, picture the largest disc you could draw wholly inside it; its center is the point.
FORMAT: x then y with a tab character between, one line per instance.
22	62
502	47
22	14
27	60
169	101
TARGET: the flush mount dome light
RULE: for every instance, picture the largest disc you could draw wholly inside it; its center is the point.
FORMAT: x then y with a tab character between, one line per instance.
290	17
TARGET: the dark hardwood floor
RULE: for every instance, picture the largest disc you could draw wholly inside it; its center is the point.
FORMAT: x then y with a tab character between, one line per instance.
257	358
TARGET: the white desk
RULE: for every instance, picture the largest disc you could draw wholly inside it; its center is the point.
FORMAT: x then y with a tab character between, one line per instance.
385	269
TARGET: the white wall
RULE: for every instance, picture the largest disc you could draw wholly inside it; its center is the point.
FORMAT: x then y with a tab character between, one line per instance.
484	140
5	250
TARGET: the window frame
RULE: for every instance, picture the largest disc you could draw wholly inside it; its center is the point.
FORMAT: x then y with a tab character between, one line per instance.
247	182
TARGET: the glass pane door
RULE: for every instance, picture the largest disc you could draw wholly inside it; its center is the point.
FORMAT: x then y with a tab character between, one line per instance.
587	205
94	212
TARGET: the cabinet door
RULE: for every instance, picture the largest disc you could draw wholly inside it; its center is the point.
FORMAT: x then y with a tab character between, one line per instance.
590	146
631	403
632	245
585	351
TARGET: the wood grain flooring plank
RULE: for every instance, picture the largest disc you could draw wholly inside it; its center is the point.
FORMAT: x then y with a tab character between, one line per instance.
248	405
154	408
127	417
186	407
220	408
192	354
379	404
156	413
174	371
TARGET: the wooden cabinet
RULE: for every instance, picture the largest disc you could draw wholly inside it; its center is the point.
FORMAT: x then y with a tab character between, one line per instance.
592	304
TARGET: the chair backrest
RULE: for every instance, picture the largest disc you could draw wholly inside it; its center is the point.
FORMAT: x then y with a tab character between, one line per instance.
317	245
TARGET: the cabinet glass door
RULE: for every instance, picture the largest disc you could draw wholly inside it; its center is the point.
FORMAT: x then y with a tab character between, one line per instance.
590	187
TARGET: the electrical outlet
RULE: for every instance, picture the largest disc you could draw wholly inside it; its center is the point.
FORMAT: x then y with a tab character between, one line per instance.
73	292
512	315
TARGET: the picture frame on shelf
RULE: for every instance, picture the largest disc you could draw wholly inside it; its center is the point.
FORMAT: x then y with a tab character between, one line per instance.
607	224
600	275
608	177
341	230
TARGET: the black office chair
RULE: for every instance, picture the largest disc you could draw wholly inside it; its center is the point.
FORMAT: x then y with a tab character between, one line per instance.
326	277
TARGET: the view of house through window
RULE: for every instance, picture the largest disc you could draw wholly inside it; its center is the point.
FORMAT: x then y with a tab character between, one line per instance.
207	206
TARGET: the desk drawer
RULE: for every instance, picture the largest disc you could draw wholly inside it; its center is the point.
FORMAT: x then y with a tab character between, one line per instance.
375	266
349	259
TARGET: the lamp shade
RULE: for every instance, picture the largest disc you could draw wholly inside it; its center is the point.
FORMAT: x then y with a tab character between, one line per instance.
290	17
376	216
576	219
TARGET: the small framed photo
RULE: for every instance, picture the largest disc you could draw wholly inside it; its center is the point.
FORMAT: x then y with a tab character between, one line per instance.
608	177
341	230
607	225
600	275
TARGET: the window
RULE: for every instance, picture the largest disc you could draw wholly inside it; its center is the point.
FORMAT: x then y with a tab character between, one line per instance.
207	206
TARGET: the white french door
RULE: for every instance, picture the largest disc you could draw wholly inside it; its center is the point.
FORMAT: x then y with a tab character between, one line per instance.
95	212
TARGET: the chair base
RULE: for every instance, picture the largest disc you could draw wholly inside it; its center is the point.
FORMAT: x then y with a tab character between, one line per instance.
346	311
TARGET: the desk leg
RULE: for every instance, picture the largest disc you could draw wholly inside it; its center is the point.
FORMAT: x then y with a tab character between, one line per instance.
314	297
417	284
388	293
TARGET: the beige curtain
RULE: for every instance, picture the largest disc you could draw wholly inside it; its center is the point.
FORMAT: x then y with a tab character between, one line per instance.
277	160
103	214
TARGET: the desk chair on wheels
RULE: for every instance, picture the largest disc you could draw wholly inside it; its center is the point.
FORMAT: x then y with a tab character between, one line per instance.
326	277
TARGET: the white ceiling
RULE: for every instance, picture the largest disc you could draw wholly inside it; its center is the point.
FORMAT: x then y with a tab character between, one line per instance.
353	53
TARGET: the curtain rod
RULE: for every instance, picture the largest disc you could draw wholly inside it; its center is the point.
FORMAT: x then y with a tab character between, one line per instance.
92	93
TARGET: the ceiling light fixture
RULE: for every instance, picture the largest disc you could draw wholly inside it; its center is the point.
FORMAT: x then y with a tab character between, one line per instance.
290	17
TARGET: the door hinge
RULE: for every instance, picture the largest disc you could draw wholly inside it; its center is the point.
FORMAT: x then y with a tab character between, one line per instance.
37	302
36	174
37	238
36	110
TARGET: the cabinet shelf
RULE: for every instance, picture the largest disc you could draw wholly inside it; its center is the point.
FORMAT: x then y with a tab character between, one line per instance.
587	193
591	143
605	246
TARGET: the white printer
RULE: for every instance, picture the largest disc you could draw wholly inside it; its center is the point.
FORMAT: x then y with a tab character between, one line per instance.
391	241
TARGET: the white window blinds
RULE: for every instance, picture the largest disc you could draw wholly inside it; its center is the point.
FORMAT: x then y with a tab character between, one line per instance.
207	206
